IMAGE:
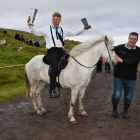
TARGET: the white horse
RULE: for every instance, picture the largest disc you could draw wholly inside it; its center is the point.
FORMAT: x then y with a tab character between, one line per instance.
74	76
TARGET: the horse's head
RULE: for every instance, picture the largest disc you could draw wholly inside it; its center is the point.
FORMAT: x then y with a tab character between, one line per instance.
108	48
101	46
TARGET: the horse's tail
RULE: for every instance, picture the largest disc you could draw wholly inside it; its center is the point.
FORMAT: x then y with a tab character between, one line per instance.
28	86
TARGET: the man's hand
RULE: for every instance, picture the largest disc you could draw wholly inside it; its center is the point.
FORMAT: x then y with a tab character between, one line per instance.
87	27
116	57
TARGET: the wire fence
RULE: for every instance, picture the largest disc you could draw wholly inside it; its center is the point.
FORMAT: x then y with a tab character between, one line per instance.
12	66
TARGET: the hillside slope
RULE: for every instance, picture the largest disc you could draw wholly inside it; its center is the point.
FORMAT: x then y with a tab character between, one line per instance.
12	78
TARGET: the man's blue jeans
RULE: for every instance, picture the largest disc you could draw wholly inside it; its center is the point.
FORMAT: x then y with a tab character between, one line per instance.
127	85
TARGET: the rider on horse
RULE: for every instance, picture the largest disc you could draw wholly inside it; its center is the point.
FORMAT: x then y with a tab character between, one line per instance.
54	36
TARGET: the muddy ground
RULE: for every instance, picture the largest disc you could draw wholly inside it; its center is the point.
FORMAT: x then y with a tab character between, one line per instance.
18	121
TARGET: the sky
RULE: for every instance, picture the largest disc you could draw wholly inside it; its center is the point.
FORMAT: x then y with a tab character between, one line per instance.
115	18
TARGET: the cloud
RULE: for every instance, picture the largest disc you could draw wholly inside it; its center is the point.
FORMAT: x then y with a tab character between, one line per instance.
116	18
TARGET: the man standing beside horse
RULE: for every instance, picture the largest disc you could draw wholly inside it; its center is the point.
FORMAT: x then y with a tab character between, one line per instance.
54	36
125	71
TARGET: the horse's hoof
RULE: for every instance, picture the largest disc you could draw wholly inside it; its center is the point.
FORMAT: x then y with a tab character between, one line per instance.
43	110
73	122
39	113
84	115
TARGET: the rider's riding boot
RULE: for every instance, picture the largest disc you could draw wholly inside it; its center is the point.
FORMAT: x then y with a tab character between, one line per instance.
54	94
125	111
115	113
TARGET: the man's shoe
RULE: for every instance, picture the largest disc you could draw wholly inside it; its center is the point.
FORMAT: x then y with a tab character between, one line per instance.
125	114
115	113
54	94
125	111
109	72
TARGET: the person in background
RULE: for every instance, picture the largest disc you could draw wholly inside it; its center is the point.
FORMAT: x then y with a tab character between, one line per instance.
30	42
27	41
125	71
5	32
17	36
107	67
54	36
99	65
36	43
22	39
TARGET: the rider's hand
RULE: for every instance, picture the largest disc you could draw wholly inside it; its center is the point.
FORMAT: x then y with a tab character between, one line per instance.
87	27
28	21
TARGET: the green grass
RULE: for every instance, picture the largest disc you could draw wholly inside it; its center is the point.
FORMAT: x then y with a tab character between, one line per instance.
12	91
12	83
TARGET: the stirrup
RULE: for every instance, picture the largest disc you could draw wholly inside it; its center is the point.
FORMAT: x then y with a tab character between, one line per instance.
54	94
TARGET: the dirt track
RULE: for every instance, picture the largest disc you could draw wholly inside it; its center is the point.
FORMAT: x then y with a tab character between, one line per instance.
18	121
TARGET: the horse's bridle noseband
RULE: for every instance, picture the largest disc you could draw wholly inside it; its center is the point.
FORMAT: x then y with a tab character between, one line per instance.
97	62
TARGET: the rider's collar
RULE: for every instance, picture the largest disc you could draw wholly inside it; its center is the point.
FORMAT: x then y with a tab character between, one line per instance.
55	26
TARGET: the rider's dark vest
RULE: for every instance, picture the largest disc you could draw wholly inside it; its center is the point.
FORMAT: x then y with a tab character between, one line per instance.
58	36
64	59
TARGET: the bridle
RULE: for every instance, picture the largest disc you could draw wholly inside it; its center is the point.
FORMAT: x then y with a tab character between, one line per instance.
58	85
96	63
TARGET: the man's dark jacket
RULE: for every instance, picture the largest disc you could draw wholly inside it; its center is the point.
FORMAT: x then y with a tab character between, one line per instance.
127	70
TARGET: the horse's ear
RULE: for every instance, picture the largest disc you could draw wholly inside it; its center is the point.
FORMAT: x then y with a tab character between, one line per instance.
106	39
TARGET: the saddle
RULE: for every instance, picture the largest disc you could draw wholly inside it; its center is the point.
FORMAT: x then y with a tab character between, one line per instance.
62	63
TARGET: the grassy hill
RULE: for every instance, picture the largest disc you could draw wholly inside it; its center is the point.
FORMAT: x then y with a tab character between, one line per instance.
12	78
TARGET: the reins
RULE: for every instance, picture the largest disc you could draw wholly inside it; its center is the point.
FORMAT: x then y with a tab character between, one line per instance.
82	64
94	64
58	85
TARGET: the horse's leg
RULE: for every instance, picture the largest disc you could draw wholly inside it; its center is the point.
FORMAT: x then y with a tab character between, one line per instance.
74	94
34	98
81	106
38	95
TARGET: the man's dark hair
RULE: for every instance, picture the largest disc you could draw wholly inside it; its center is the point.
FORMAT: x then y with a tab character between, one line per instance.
134	33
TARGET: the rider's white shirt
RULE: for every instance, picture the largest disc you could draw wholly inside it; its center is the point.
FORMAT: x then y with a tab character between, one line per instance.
45	31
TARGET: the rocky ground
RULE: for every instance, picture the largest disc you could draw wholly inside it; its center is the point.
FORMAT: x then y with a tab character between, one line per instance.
18	121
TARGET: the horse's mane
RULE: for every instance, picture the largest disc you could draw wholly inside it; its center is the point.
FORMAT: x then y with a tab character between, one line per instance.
82	47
